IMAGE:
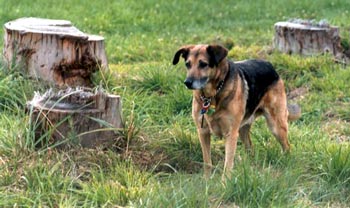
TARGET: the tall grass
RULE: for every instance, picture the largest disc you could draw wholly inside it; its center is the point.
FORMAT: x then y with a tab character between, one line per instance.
264	188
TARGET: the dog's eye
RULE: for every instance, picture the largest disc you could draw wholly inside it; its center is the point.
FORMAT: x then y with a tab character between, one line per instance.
188	65
202	64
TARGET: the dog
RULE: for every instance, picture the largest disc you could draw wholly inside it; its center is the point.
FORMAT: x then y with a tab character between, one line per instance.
228	96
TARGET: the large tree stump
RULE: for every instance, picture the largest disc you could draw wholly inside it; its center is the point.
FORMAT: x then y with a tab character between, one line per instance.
307	38
75	116
54	50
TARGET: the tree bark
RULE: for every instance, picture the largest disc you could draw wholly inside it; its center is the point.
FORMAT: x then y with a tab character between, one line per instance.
75	116
307	38
54	50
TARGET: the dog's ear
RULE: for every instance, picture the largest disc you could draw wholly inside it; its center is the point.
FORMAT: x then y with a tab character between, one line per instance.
184	50
216	53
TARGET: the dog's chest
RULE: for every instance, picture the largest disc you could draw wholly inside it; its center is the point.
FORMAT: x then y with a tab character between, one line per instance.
218	123
221	122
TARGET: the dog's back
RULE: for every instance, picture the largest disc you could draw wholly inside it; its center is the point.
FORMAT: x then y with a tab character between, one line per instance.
259	76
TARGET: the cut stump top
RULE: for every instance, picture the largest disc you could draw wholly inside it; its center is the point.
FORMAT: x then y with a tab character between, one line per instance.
304	26
45	26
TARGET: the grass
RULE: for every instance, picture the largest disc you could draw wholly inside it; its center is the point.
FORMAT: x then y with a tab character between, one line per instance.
157	160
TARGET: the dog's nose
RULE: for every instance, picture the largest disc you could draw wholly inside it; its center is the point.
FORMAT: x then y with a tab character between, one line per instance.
188	82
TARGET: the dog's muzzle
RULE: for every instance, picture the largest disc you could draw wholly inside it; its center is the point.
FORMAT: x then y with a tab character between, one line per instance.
195	84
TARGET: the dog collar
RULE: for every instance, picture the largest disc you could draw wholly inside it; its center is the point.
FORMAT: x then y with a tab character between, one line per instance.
206	101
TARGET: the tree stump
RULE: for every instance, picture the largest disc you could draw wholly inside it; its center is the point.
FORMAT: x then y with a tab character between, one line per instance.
307	38
54	50
75	116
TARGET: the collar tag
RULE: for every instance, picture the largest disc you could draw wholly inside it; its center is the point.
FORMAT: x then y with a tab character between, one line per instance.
205	106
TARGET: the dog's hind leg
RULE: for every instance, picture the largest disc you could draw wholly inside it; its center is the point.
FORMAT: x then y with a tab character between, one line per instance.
276	114
244	135
279	128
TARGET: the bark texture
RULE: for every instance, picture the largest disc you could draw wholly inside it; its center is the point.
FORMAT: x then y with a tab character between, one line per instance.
307	38
54	50
75	116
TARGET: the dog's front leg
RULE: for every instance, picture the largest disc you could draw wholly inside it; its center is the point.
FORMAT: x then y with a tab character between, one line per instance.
230	151
204	138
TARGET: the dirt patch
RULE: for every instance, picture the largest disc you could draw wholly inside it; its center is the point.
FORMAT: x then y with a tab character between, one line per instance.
298	93
337	130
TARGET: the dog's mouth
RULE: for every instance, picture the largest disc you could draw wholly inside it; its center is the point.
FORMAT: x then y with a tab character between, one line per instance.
196	84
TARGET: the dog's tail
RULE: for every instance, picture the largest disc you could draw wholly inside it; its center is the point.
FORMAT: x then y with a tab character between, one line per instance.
294	112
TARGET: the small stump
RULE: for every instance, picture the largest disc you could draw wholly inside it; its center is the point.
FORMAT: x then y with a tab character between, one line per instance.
75	116
54	50
307	38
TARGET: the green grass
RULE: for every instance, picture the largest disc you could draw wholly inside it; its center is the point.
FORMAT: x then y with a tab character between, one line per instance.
157	160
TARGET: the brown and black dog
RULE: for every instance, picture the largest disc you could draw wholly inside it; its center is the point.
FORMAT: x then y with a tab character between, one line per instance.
228	96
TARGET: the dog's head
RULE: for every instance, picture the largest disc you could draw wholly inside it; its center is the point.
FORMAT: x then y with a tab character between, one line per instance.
201	62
